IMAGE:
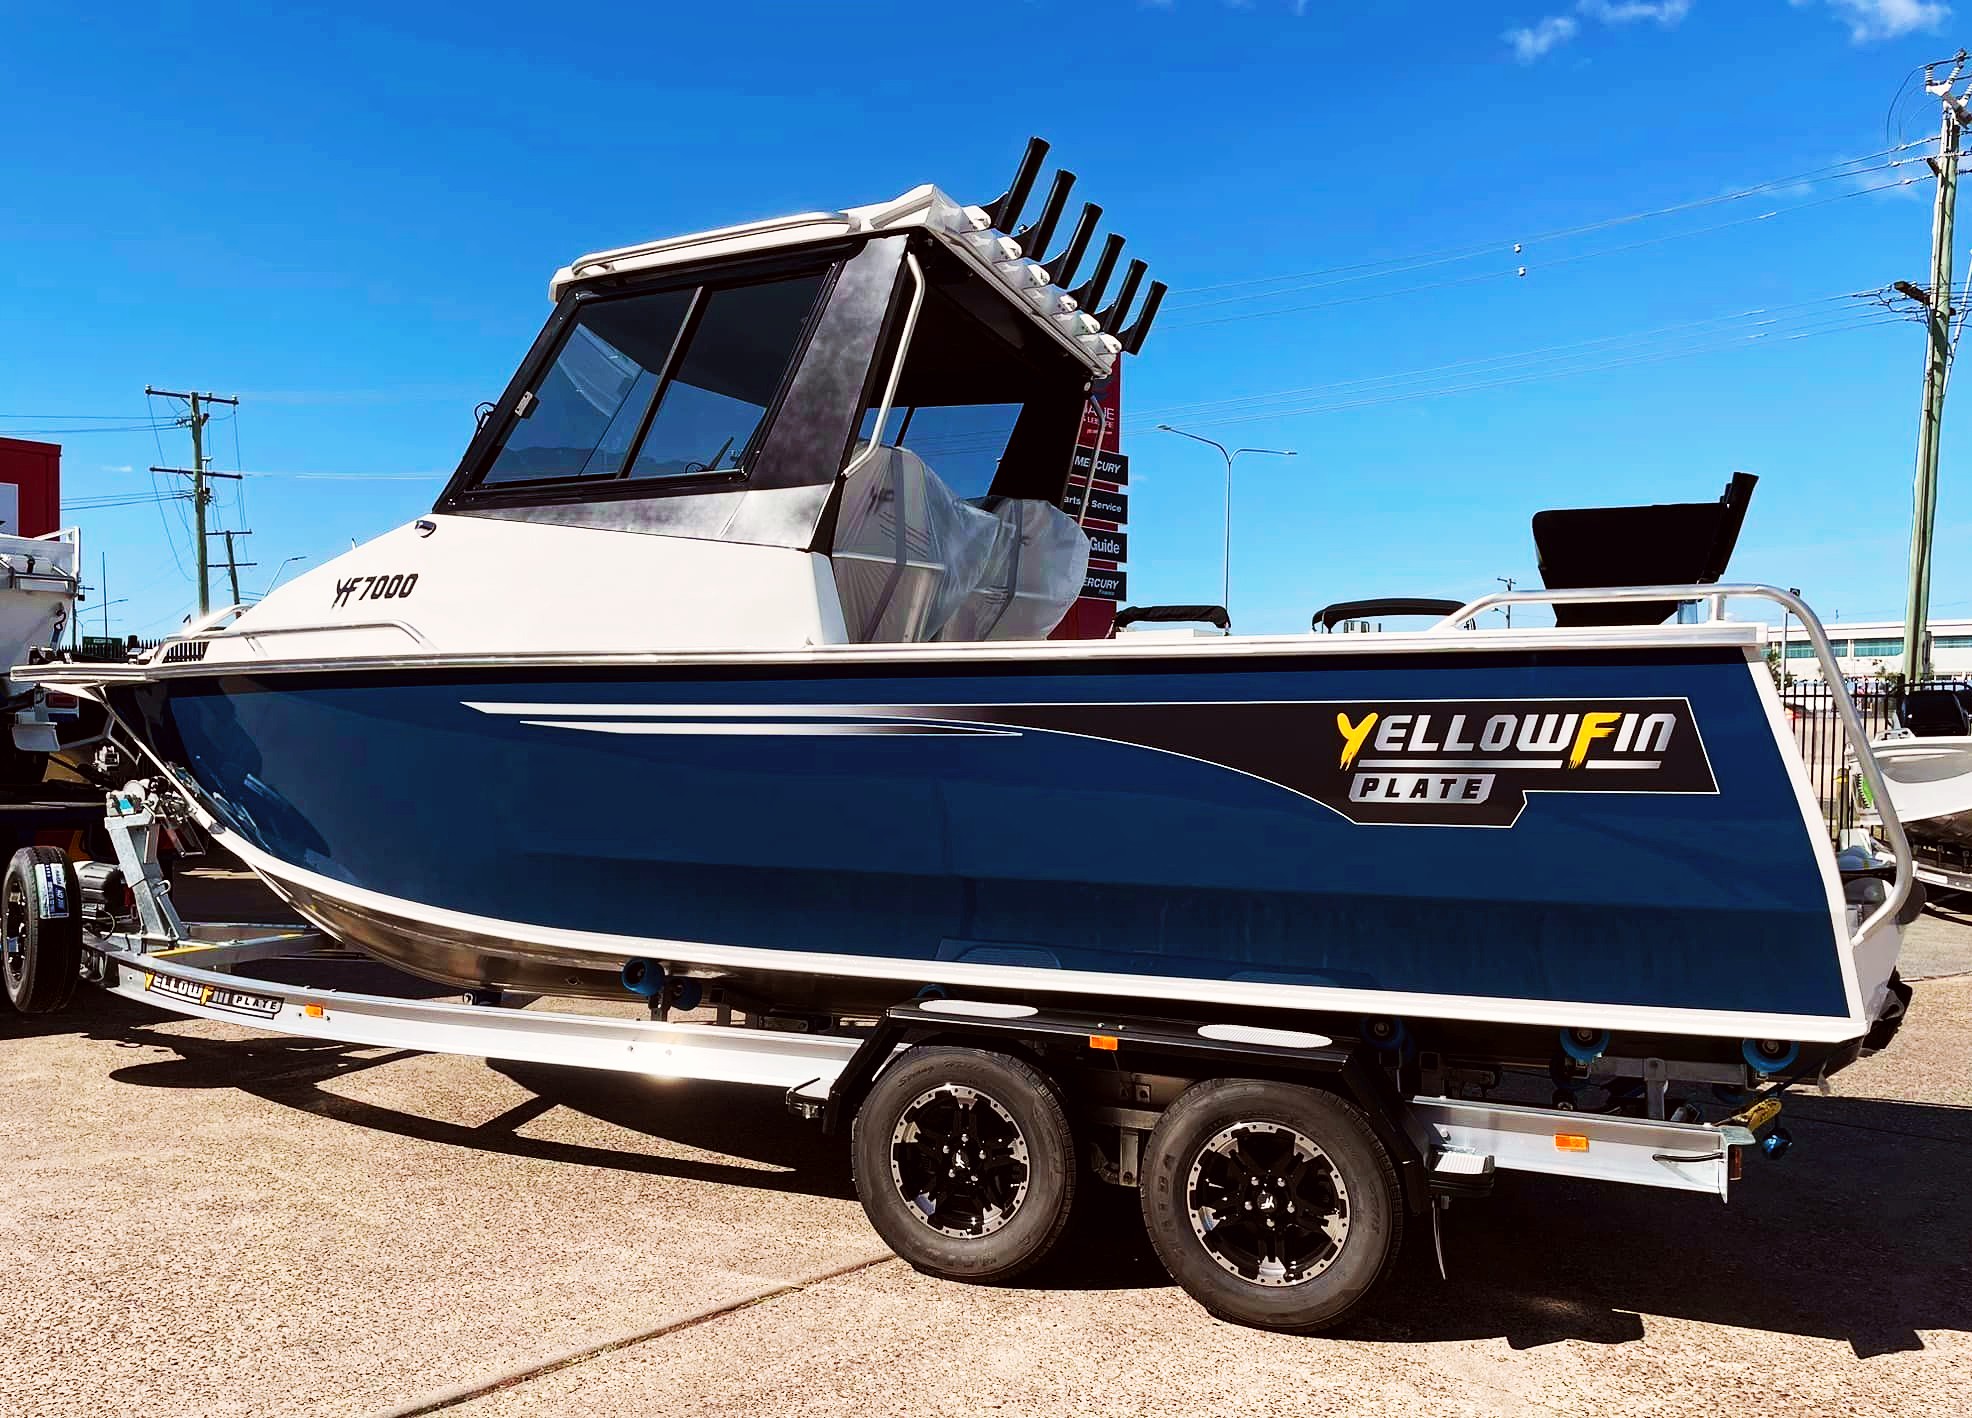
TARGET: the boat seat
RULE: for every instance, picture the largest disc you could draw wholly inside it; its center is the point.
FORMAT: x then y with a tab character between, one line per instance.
1039	560
907	549
1934	713
1664	544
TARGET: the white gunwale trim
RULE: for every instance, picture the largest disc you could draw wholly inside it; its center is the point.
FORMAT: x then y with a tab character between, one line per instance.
1047	656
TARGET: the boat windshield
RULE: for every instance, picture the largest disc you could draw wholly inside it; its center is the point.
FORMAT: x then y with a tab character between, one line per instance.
666	384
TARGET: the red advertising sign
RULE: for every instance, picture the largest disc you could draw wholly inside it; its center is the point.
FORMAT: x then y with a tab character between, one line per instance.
1093	615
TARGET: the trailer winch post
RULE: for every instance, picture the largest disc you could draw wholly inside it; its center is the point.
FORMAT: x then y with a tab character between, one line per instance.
132	821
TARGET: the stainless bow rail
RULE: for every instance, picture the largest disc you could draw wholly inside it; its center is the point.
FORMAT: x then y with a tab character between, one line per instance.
1716	596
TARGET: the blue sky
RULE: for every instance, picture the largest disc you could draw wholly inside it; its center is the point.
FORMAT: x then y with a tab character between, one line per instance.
348	215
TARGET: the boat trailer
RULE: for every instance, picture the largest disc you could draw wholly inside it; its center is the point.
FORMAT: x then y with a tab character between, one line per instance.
1133	1078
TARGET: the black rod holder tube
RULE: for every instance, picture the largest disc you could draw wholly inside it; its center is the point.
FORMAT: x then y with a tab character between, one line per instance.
1134	337
1005	209
1090	291
1061	267
1032	239
1112	318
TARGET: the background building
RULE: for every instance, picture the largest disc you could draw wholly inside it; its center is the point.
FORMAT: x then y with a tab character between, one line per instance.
1874	648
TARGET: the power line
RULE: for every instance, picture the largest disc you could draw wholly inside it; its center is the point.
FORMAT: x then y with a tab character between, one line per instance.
1498	249
1775	324
80	418
94	428
1735	342
1756	315
135	499
199	473
170	541
1517	271
1829	172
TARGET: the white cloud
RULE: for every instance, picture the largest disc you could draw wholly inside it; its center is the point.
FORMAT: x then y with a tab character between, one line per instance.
1623	12
1530	42
1888	19
118	468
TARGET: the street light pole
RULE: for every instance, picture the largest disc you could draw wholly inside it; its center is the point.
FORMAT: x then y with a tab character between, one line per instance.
290	561
1230	455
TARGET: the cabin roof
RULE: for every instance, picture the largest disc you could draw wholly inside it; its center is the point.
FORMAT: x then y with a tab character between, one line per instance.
967	231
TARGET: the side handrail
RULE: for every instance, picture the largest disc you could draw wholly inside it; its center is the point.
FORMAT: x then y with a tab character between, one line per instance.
1845	708
253	632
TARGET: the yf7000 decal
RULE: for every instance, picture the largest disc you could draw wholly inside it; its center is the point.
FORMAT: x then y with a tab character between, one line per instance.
375	588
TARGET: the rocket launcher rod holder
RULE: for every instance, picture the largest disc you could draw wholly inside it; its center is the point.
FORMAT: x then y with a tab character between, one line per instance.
1111	319
1062	265
1134	337
1090	291
1033	238
1005	209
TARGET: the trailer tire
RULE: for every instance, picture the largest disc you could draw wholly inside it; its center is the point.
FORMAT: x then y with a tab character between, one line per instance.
41	952
1237	1153
1010	1130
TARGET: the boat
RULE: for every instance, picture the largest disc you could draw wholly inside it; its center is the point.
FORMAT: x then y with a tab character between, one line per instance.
1926	759
721	662
38	590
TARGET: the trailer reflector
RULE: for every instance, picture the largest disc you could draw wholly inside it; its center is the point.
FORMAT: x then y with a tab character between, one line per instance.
1571	1142
1104	1041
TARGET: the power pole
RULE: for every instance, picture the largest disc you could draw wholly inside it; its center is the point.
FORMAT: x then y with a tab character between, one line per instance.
198	472
1937	366
233	564
1508	582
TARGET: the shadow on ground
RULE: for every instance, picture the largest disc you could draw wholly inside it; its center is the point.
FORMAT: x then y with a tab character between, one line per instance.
1861	1235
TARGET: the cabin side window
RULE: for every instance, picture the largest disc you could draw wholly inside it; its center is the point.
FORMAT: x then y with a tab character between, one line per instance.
658	386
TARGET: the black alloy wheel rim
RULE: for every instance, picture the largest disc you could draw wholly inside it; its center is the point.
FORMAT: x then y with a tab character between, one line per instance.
959	1161
15	947
1267	1204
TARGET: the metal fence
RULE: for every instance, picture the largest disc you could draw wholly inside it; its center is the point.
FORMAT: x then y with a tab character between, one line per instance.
1818	730
110	649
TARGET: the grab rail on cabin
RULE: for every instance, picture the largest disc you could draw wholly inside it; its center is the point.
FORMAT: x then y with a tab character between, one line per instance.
1845	707
200	633
253	632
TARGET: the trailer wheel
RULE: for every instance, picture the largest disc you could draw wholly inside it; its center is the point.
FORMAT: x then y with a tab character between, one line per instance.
965	1162
41	953
1273	1205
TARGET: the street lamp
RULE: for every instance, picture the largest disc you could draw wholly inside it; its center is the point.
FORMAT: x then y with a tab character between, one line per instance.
1225	594
105	609
279	569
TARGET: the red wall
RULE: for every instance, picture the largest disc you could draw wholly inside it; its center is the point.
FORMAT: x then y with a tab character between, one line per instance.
36	469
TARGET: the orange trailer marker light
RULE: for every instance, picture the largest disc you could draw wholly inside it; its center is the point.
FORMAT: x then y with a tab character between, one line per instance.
314	1011
1570	1142
1103	1041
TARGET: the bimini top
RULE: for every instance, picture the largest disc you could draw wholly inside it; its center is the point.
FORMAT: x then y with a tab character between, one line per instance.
985	237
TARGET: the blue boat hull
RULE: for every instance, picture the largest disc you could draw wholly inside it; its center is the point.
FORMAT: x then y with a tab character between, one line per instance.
1192	827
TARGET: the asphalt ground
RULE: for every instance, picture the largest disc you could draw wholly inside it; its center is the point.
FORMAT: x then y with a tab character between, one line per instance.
199	1219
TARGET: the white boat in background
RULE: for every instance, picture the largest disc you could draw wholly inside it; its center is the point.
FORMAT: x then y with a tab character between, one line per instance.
37	604
1926	760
